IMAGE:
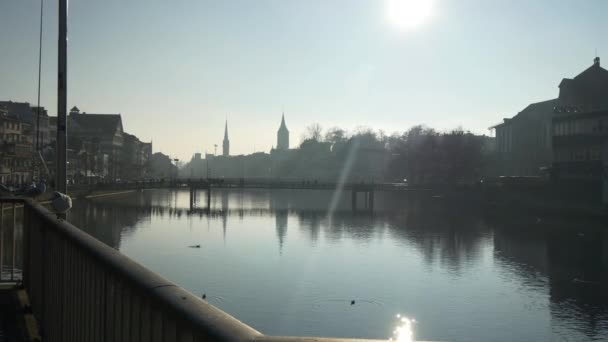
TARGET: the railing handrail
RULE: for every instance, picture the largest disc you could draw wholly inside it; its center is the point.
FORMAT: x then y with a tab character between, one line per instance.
214	322
12	199
201	316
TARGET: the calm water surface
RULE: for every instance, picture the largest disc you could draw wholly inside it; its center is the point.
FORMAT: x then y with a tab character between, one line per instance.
278	261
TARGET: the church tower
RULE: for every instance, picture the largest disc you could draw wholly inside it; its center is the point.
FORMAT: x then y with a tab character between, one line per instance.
226	143
283	136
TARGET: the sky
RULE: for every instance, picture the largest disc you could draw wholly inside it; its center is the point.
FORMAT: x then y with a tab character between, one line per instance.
177	69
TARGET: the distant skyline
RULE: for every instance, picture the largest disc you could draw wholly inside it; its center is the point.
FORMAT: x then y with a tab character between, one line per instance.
176	70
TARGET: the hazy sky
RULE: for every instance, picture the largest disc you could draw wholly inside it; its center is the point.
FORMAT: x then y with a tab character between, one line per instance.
175	69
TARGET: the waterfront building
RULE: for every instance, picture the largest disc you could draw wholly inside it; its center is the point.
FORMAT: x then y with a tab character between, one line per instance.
524	142
580	145
15	149
105	129
27	113
103	149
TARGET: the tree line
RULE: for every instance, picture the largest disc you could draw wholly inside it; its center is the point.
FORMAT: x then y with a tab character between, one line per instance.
420	155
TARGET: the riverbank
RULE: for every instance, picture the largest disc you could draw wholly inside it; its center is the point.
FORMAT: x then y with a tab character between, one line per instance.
573	200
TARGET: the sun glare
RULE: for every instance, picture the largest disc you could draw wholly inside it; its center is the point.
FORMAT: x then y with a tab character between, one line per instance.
404	332
408	14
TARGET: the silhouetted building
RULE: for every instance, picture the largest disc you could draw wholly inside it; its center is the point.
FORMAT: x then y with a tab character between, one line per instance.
104	149
283	136
524	142
226	142
195	168
134	157
580	145
106	129
161	166
586	92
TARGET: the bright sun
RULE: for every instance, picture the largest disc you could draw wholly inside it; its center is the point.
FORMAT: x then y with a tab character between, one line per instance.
408	14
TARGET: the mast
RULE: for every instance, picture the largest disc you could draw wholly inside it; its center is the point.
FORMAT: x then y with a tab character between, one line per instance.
62	83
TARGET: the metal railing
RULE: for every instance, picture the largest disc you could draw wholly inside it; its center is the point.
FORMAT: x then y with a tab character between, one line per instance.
82	290
11	230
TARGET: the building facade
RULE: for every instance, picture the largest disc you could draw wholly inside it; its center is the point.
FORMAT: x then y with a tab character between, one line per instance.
524	144
102	150
133	157
25	130
30	115
105	130
580	145
15	150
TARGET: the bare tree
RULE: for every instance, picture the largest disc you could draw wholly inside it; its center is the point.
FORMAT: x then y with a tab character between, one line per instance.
314	132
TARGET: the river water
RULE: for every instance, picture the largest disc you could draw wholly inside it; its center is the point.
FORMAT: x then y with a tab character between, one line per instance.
291	262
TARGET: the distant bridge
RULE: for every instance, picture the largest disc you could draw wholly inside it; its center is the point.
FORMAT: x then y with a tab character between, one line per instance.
366	188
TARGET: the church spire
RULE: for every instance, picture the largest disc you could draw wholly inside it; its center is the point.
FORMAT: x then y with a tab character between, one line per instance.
226	142
283	121
283	135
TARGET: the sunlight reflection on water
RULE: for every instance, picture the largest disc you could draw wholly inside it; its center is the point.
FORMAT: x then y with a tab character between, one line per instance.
299	263
404	332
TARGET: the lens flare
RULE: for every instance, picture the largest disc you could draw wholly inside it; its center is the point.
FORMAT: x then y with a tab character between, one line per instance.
348	165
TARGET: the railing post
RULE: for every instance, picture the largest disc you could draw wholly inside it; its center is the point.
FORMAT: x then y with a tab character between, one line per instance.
14	244
43	271
83	290
1	241
25	250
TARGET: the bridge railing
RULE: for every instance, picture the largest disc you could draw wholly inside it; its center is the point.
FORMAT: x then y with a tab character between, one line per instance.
263	183
83	290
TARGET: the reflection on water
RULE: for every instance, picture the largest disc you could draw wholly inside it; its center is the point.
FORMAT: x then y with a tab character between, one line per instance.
275	260
404	332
